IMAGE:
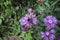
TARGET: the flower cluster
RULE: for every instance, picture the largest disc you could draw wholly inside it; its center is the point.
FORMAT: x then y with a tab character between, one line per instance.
28	19
48	35
50	22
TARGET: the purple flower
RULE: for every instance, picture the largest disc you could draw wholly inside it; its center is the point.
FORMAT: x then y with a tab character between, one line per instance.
52	37
42	34
47	35
52	31
50	21
24	29
31	19
28	20
34	20
30	10
23	21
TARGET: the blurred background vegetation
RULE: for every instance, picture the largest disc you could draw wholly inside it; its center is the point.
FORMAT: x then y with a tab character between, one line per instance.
12	10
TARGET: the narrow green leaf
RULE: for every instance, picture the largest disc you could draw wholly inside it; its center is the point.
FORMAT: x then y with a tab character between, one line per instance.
0	21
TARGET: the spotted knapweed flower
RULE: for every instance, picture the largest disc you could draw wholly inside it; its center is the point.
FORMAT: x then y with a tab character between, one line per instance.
48	35
50	22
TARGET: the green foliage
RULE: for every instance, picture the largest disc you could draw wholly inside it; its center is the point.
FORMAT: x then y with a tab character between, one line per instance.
0	38
27	35
7	3
47	7
0	21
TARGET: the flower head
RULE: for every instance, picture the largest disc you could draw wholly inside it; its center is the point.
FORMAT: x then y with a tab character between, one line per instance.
50	21
47	35
28	19
31	19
